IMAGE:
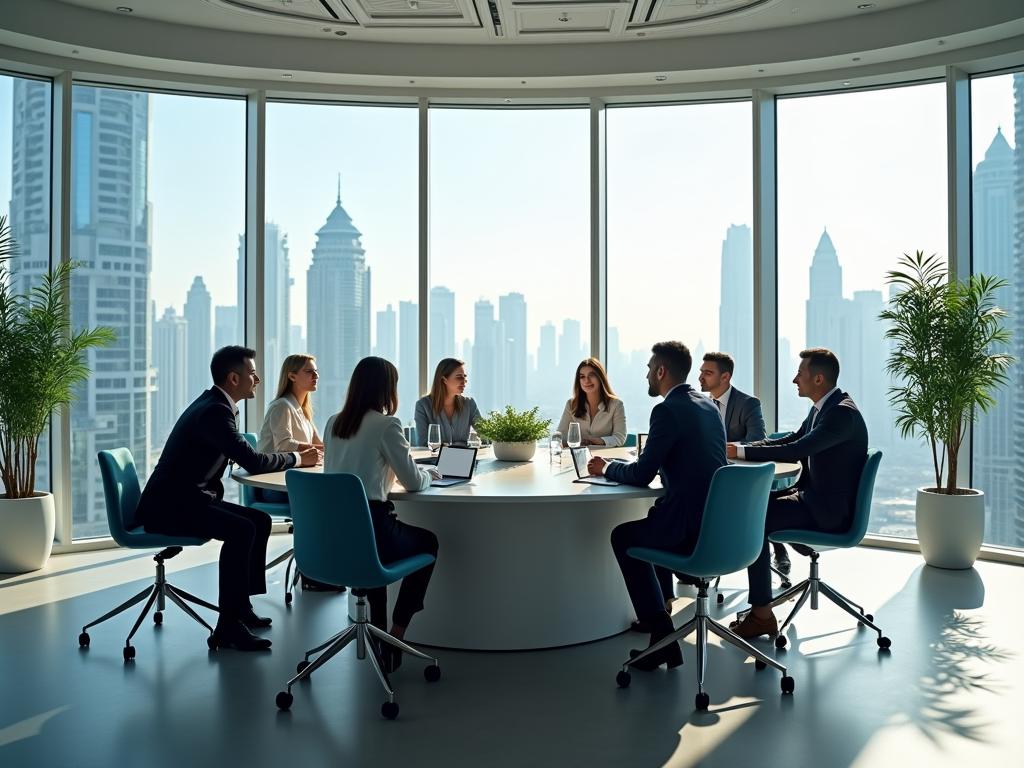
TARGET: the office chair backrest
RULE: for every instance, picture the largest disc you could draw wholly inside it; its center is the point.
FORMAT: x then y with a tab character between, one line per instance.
334	540
865	490
777	435
732	530
121	492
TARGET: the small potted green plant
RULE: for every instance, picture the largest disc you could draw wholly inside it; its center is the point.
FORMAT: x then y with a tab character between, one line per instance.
513	434
42	362
946	364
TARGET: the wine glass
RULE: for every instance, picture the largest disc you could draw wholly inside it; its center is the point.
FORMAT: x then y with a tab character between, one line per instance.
434	438
572	438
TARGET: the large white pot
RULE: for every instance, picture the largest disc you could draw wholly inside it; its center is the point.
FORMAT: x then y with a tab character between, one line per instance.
950	529
26	532
514	451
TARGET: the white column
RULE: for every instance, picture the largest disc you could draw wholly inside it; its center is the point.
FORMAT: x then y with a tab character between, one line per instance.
255	216
765	236
598	231
424	244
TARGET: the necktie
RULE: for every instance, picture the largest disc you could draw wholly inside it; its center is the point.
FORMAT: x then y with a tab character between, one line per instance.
718	404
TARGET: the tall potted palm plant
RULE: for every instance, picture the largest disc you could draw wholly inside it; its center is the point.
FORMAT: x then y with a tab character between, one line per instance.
42	362
946	364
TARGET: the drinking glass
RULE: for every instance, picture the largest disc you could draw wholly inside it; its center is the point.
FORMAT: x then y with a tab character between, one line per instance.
555	447
573	438
434	438
474	439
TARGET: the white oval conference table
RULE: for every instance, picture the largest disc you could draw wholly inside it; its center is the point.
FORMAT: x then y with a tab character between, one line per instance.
525	560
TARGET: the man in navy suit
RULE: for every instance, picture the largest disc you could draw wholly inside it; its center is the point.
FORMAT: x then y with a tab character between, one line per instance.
686	445
184	495
742	415
831	446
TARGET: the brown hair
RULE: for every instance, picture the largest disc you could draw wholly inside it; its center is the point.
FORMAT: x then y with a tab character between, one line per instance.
373	387
578	404
823	361
723	360
438	390
294	364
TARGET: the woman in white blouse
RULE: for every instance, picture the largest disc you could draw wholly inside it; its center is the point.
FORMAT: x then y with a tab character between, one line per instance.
288	425
366	439
601	415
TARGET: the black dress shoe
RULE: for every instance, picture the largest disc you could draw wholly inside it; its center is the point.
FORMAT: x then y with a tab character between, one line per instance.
233	634
252	621
671	655
390	657
640	626
782	562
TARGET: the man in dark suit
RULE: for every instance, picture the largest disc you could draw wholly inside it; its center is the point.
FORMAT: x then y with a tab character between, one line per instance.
184	495
742	415
831	446
686	445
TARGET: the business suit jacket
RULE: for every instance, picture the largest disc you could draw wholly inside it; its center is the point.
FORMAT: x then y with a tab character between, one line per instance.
743	420
195	456
832	455
686	444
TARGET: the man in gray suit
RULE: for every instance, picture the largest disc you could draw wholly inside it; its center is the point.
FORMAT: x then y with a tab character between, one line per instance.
741	414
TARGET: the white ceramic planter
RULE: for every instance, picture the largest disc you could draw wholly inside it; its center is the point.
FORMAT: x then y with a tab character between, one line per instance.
26	532
950	529
514	451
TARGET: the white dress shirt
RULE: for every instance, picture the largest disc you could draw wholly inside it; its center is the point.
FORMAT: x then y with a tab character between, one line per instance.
286	426
723	401
234	407
608	424
376	453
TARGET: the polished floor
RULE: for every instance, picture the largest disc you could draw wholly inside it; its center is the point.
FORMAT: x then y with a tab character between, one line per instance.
950	692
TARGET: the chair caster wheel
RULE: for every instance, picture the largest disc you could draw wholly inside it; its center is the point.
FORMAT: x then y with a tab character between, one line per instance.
785	584
287	598
284	700
884	643
701	701
158	618
780	641
721	598
788	684
83	640
342	588
758	664
129	652
211	643
301	666
389	709
869	617
623	679
432	673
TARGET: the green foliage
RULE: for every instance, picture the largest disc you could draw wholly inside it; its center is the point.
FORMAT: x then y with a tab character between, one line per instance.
945	360
42	362
513	427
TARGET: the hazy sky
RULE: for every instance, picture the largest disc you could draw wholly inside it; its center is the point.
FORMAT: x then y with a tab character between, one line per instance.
510	198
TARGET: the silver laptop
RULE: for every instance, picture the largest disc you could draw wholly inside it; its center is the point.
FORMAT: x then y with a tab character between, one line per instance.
580	459
456	466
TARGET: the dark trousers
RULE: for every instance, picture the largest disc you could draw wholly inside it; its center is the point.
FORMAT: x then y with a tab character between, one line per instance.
649	586
397	541
785	510
243	556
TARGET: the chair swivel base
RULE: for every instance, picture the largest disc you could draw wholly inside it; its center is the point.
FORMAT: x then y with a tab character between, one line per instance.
363	633
158	593
811	587
291	577
702	623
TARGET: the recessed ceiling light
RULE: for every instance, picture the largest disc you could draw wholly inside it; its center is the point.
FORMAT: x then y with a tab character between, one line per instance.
795	10
325	29
660	78
523	82
865	6
640	34
412	82
508	101
75	52
760	70
123	9
856	58
846	82
942	42
286	76
341	33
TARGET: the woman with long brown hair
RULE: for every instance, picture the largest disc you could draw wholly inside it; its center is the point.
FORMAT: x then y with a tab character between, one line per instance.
366	439
447	405
594	405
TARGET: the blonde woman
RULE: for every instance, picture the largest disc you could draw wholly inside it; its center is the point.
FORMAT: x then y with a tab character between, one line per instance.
447	405
289	425
601	415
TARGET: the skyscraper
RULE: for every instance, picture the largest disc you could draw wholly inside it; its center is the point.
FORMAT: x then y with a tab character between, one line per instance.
338	304
442	325
570	350
170	358
387	339
512	315
408	357
110	228
485	357
547	359
277	301
736	308
225	327
994	457
198	313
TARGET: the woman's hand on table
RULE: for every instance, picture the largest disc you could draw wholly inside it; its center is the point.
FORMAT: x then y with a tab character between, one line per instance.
434	474
592	441
308	457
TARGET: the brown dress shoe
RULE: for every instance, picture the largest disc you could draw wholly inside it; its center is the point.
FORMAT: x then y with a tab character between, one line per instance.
752	626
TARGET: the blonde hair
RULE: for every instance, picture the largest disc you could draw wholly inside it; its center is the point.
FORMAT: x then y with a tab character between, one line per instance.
444	369
294	364
578	404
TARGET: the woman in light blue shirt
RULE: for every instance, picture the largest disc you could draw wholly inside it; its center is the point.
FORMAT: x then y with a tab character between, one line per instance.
446	405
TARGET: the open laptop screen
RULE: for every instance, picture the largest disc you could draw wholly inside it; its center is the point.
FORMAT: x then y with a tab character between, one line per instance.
455	462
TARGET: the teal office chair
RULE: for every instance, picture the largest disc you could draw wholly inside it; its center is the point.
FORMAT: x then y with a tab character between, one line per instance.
814	541
121	493
334	543
731	537
630	440
248	498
